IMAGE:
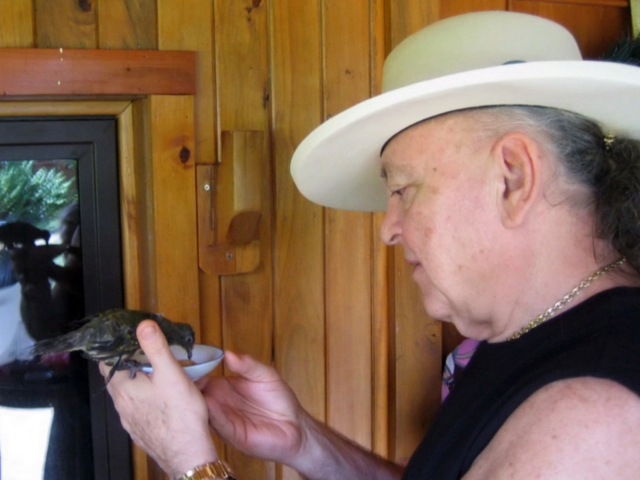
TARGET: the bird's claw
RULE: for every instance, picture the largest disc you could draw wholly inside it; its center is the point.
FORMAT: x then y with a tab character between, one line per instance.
133	365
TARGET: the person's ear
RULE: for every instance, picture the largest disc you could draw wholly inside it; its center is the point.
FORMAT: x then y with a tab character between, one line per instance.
518	157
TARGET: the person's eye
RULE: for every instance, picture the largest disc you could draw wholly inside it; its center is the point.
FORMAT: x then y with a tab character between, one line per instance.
398	191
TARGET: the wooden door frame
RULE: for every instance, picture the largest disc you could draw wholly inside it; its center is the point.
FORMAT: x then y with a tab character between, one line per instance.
151	96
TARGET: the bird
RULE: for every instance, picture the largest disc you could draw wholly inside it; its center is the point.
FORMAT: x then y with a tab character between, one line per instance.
110	336
17	233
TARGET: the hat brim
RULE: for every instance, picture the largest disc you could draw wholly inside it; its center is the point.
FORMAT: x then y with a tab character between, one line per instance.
337	164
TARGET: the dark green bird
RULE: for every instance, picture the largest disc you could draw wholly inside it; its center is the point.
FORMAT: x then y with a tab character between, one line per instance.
110	336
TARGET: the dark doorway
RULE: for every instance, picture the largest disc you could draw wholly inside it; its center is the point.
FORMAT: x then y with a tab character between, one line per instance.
60	259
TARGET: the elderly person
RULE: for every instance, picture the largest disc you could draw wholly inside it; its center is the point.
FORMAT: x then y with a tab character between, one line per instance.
512	178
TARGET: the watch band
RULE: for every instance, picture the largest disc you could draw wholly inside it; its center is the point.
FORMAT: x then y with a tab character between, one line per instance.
210	471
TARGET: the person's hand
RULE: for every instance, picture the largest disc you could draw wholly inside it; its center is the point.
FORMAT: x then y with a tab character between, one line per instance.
256	411
259	414
164	412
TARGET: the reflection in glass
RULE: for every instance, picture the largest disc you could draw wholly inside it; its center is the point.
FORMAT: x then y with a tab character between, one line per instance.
41	295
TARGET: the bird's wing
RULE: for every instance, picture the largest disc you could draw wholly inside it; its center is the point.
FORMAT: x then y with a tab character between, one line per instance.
110	338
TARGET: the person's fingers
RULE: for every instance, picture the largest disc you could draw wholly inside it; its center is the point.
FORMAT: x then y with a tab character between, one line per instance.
155	346
249	368
104	369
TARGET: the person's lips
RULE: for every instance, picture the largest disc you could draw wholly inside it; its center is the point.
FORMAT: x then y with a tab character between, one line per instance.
412	262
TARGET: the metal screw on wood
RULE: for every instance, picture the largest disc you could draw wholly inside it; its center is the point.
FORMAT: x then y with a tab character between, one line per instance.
229	255
207	187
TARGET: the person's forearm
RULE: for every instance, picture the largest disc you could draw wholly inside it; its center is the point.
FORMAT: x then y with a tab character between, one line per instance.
328	455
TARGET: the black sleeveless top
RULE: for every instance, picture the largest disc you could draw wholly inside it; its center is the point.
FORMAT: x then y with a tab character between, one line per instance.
598	338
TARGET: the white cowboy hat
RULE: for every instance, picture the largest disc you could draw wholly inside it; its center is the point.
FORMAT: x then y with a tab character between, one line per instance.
472	60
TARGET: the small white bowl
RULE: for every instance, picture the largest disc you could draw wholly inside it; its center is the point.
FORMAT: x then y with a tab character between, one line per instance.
206	358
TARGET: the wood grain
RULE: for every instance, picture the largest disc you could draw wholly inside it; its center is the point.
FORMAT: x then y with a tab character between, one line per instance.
66	23
137	247
244	184
594	3
381	342
451	338
76	107
16	24
449	8
37	71
174	208
416	345
610	22
417	360
348	236
132	241
173	265
127	24
187	25
405	18
242	64
299	283
231	207
211	331
380	318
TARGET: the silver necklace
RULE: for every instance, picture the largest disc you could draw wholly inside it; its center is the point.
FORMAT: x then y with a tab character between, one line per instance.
559	305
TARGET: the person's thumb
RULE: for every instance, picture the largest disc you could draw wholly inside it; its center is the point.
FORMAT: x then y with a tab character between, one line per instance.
155	346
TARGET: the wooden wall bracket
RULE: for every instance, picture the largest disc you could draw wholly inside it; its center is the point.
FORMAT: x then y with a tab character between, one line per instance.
230	207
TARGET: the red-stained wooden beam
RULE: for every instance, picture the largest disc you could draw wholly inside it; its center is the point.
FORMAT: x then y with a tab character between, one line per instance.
40	71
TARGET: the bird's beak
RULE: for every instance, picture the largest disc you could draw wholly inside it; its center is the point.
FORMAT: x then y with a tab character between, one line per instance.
189	349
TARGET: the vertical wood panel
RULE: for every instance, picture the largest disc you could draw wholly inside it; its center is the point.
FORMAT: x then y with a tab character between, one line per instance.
242	64
242	71
127	24
610	23
138	246
416	346
348	236
380	318
381	336
418	363
65	23
138	239
173	224
16	23
408	17
211	333
174	208
132	240
297	109
187	25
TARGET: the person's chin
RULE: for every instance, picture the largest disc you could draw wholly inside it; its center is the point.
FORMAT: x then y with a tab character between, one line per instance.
435	309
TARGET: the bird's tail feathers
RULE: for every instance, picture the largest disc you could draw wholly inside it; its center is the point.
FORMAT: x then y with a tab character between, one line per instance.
63	343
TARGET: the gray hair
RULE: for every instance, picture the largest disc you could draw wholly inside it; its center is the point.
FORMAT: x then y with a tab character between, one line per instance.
608	167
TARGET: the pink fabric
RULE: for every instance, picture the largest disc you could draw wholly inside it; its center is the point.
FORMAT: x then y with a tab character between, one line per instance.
455	364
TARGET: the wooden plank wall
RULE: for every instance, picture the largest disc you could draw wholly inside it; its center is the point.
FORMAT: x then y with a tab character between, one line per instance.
329	305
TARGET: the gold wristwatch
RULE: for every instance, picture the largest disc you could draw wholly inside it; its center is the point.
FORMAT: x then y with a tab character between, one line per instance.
210	471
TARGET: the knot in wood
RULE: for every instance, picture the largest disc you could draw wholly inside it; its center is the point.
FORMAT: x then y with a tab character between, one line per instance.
85	5
185	154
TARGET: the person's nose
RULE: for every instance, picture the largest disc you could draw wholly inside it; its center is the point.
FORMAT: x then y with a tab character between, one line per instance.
391	229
